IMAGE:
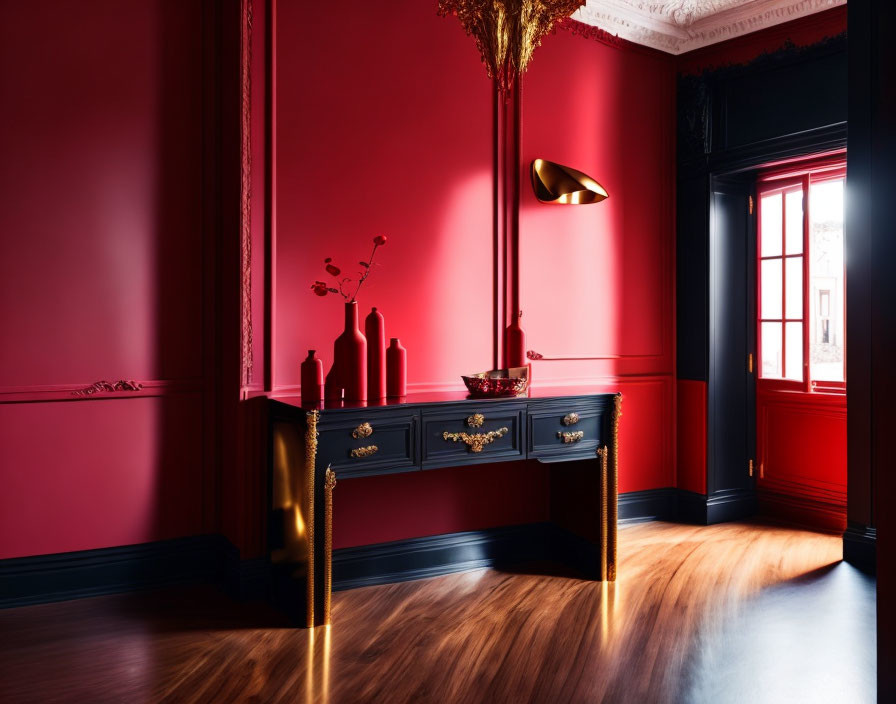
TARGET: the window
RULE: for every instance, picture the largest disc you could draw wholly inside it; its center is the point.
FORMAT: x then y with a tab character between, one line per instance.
801	279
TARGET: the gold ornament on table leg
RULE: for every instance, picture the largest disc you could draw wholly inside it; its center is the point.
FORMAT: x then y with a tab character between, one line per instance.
602	455
614	491
310	461
507	31
329	485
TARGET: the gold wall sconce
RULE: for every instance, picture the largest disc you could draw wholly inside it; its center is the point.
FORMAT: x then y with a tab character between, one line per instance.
555	183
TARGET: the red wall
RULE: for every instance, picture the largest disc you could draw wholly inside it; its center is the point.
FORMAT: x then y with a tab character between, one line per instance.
100	271
386	129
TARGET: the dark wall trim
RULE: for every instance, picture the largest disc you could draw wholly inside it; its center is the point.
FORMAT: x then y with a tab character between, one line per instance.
213	559
44	578
860	547
431	556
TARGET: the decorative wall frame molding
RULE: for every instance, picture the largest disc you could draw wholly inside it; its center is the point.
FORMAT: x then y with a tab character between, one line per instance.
108	387
678	26
246	360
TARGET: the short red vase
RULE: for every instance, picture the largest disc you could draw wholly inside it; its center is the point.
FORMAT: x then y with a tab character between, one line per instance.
350	353
312	380
396	369
375	332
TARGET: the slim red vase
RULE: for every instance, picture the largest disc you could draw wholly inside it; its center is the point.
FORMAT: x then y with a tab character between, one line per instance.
350	351
396	369
312	379
375	332
515	343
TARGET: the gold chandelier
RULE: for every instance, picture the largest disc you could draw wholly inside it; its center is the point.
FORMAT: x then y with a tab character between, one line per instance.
507	31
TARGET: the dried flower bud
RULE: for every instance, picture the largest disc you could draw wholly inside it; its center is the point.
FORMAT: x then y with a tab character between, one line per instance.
379	240
333	270
328	260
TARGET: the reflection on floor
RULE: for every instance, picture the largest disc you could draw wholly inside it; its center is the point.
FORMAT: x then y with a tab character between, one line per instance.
745	612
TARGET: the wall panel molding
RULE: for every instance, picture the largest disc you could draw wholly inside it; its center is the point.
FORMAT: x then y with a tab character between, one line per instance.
101	390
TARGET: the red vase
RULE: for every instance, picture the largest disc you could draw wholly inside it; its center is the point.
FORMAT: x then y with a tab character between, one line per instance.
332	386
396	369
375	332
515	343
350	351
312	380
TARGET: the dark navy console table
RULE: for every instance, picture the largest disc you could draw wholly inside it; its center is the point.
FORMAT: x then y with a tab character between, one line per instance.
313	447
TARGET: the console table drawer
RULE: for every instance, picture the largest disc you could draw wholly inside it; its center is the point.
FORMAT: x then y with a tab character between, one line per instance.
558	432
454	435
358	444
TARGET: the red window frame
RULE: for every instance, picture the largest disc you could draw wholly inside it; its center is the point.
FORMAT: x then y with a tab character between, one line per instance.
786	179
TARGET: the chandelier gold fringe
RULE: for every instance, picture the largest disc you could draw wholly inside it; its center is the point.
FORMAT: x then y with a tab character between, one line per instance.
507	31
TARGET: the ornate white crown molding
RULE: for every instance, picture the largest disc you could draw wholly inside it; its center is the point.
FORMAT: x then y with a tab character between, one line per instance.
677	26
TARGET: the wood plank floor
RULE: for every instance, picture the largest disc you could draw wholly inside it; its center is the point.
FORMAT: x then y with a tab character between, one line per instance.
745	612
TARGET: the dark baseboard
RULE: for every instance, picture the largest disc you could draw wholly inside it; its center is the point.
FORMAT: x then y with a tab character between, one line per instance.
45	578
718	507
431	556
649	505
860	547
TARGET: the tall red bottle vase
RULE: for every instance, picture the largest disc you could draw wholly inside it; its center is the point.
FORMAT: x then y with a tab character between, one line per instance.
396	369
515	343
332	385
350	351
375	332
312	379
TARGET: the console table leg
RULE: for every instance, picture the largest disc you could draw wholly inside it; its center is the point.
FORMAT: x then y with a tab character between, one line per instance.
310	462
329	485
613	493
604	516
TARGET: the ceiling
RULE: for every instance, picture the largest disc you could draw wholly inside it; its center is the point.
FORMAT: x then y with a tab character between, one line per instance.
677	26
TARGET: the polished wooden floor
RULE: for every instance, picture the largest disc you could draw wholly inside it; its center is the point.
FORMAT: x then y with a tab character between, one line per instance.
745	612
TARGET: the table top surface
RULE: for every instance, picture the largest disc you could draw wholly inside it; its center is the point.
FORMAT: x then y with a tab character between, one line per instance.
445	397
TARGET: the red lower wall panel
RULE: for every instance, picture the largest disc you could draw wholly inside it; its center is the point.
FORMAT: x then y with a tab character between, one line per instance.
802	451
91	474
691	422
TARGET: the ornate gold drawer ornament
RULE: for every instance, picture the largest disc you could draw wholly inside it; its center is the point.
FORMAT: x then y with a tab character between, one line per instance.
570	419
364	451
365	430
476	441
476	420
571	437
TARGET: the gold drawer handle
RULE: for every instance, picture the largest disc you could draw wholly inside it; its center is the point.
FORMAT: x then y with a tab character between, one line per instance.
365	430
571	437
570	419
476	441
476	420
364	451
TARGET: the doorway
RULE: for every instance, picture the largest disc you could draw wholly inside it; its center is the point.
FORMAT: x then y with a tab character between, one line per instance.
800	330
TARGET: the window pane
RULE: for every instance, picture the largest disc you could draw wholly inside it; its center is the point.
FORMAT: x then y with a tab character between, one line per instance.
793	368
793	237
771	288
770	234
826	300
793	307
771	350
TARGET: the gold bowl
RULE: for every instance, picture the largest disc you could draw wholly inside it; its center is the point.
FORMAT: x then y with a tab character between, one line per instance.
498	382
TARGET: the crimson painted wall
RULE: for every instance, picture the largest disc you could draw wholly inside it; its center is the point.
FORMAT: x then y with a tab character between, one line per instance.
384	125
100	273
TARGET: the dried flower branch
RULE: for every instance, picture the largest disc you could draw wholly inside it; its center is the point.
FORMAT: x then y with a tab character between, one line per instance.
320	288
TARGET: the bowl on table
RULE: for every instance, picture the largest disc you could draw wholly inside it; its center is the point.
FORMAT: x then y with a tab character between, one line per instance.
494	383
